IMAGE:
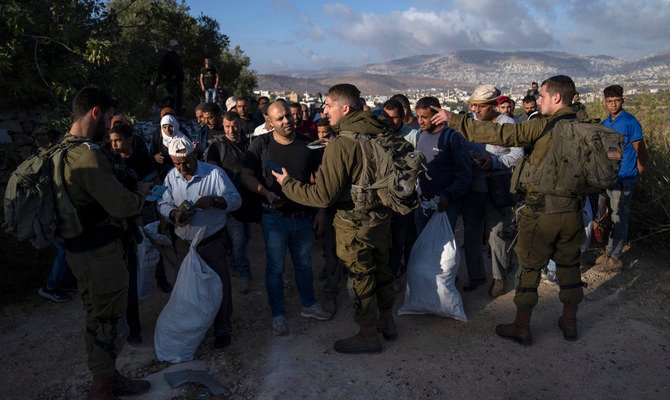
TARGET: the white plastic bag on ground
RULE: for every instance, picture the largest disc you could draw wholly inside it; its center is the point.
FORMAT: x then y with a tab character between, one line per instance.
191	309
431	273
147	258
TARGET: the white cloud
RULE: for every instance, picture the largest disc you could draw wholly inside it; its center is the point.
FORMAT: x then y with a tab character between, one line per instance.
337	9
616	27
481	24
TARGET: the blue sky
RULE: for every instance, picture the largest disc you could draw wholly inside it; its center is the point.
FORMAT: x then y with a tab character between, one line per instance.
283	35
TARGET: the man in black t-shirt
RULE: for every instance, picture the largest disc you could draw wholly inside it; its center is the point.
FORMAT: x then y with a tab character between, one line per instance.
285	224
209	80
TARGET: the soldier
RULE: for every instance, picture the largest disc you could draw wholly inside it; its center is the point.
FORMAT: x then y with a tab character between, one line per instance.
550	227
363	240
96	255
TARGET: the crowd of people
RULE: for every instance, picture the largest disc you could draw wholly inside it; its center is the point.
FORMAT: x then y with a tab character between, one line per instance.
292	173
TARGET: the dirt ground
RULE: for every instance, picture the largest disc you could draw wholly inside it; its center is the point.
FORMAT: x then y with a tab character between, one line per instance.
622	352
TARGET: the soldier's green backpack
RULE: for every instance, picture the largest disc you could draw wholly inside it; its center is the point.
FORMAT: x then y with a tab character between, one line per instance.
583	157
37	205
391	168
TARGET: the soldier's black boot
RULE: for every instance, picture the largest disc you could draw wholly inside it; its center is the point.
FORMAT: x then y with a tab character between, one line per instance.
519	330
365	342
386	326
568	322
122	386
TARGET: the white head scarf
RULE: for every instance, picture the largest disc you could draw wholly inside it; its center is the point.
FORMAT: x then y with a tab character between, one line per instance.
170	120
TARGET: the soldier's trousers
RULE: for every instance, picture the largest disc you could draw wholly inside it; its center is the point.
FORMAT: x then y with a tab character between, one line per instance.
363	247
544	236
102	279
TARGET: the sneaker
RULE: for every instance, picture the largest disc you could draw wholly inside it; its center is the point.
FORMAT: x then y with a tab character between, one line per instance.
56	295
245	285
279	325
602	259
316	311
612	265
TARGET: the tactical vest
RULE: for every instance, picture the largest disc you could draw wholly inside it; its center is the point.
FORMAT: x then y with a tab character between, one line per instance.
581	157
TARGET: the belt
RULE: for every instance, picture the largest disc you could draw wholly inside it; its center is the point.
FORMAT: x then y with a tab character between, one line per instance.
297	215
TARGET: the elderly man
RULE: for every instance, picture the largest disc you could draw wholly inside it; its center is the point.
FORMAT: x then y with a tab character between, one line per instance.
208	190
492	166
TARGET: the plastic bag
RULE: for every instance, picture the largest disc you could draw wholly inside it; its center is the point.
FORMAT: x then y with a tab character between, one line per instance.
147	258
191	309
431	272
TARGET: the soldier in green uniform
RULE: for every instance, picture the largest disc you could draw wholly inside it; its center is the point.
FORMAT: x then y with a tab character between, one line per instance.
96	255
362	240
550	227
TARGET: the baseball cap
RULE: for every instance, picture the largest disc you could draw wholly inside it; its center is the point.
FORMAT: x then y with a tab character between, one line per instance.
178	144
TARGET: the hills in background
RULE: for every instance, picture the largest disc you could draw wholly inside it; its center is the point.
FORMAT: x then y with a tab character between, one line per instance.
511	71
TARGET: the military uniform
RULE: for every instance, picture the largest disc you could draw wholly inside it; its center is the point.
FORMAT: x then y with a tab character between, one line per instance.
96	255
363	240
550	227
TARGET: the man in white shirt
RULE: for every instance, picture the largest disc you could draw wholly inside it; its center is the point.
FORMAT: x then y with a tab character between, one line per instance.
209	193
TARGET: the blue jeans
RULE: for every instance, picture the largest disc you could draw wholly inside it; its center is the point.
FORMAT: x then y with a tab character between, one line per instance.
297	235
239	237
210	96
621	197
60	271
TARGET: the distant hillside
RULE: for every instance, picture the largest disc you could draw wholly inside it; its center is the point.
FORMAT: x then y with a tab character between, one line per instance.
367	83
473	67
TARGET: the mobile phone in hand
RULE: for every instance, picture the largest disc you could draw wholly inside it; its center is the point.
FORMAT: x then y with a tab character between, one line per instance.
273	166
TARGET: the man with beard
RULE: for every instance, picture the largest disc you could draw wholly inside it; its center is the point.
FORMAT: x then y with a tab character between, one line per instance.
529	109
286	224
96	255
227	151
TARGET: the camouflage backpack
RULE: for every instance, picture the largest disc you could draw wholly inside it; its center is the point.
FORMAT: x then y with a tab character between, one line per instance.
391	168
37	205
582	157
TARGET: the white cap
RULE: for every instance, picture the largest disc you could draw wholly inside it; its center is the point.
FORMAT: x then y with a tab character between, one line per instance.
178	144
230	103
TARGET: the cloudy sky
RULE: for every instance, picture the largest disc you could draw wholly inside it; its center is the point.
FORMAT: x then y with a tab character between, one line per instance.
280	35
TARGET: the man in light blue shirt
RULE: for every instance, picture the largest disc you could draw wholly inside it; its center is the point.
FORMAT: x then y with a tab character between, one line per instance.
198	196
632	164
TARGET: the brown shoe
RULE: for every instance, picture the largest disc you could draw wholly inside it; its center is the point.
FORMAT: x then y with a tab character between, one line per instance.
386	326
497	288
100	390
602	259
568	322
365	342
614	264
123	386
519	330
